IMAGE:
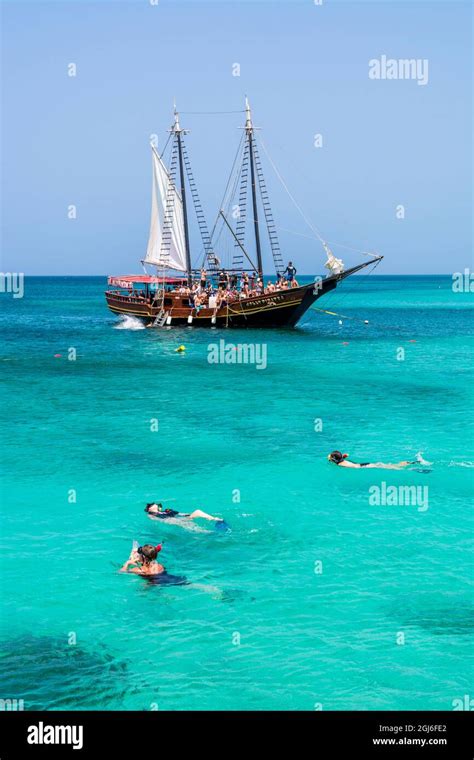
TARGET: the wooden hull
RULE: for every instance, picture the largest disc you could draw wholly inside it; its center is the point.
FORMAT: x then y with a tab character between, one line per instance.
283	308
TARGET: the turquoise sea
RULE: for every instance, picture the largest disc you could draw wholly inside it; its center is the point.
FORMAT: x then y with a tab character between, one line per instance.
316	599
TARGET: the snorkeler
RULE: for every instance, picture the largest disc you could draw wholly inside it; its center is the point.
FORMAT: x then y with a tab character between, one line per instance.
157	511
144	560
342	461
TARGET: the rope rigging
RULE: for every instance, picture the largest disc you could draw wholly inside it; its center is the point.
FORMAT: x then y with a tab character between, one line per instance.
247	157
312	227
341	295
229	194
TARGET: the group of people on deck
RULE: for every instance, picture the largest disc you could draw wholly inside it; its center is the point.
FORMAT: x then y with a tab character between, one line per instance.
231	287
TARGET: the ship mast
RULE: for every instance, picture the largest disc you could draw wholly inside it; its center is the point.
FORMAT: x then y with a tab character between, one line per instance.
249	130
176	129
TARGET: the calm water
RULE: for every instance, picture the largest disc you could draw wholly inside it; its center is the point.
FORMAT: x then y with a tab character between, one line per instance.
306	637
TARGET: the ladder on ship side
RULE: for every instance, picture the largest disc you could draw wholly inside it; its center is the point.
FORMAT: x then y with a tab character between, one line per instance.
169	210
271	229
212	260
160	319
238	258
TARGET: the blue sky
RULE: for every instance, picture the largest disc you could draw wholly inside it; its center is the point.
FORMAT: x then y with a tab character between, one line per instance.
84	140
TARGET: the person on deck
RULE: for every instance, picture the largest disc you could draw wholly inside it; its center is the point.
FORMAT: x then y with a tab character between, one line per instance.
223	279
199	301
290	271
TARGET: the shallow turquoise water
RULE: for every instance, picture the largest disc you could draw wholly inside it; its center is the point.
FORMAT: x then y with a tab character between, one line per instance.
306	638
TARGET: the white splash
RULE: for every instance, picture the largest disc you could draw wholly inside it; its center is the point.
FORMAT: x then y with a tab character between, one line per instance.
129	323
461	464
420	460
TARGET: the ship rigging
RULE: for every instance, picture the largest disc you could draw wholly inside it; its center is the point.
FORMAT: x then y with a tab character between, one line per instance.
234	294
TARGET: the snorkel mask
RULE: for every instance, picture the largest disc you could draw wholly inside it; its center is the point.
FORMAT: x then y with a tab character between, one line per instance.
336	457
157	548
159	506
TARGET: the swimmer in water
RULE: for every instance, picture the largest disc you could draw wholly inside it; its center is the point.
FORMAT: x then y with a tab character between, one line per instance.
143	561
157	511
342	461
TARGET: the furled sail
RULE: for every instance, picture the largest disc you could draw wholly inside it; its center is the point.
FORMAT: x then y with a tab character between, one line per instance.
165	202
335	266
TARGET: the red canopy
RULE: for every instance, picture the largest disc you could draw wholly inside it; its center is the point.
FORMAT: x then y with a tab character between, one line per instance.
128	280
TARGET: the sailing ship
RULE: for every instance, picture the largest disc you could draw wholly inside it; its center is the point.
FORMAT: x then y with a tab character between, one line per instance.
211	294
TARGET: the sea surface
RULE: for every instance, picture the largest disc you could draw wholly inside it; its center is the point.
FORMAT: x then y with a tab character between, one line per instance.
317	598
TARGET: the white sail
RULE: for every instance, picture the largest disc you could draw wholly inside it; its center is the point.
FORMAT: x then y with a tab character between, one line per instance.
335	266
172	255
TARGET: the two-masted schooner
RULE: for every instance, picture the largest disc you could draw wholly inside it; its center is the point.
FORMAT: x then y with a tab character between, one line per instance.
215	293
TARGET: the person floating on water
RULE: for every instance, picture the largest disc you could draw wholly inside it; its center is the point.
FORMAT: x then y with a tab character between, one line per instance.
342	461
142	561
157	511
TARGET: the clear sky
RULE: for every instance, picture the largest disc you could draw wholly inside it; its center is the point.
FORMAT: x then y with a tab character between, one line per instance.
84	140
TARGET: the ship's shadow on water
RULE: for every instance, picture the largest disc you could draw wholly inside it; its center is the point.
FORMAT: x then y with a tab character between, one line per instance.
48	673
